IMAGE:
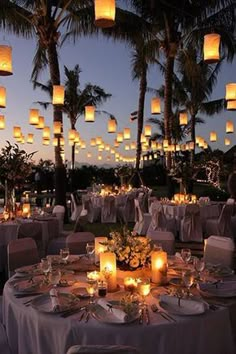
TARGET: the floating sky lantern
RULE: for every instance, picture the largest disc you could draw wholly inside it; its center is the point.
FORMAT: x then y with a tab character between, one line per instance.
89	114
211	48
213	136
2	122
230	94
34	116
229	127
105	11
183	118
111	125
155	105
58	95
2	97
5	60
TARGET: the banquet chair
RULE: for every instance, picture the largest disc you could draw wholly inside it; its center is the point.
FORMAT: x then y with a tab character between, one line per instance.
76	242
126	212
102	349
230	201
190	225
108	210
219	250
4	346
160	221
92	212
33	230
221	226
21	252
75	206
165	238
59	212
142	220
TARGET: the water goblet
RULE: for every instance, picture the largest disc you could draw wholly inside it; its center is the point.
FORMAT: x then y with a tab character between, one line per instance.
55	277
199	265
45	265
90	249
186	255
91	288
144	288
188	279
64	253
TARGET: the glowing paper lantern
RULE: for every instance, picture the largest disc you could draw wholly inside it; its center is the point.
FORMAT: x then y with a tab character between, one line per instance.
46	133
30	138
127	147
2	122
34	116
183	118
211	48
191	145
16	132
111	125
46	142
100	157
213	136
93	142
71	134
83	144
155	105
229	127
57	127
62	142
205	145
231	105
105	11
98	140
227	141
2	97
126	133
165	143
147	130
120	137
41	123
116	143
55	141
58	95
230	94
89	154
133	145
89	114
5	60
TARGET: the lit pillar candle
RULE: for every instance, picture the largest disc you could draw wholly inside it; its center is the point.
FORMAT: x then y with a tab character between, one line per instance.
108	269
26	209
159	267
99	247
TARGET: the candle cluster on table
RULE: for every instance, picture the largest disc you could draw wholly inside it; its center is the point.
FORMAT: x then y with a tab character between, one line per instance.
99	247
180	198
108	269
159	267
26	210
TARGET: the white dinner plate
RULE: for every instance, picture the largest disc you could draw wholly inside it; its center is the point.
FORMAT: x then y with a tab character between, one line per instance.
34	269
43	303
102	315
181	310
222	289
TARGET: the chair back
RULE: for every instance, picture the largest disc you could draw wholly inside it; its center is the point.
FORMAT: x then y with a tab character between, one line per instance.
224	221
159	221
59	212
138	212
21	252
230	201
165	238
129	207
102	349
191	227
108	211
30	229
76	242
219	250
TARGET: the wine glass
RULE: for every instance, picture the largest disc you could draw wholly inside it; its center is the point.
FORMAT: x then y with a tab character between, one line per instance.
64	253
90	249
186	255
55	277
45	265
199	265
91	288
188	279
143	288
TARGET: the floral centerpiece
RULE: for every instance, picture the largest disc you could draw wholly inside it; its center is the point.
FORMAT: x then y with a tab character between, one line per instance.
131	251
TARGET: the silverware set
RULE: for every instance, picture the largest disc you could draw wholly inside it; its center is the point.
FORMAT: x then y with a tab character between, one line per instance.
144	316
162	313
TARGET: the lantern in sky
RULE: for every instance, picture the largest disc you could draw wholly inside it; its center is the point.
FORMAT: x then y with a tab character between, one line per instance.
147	130
2	97
57	127
229	127
105	11
111	125
126	133
120	137
230	91
2	122
5	60
16	132
183	118
155	105
71	134
213	136
40	124
58	95
211	48
46	142
93	142
34	116
89	114
227	141
98	140
231	105
30	138
46	133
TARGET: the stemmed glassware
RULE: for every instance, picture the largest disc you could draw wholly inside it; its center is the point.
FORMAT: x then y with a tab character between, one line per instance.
45	265
199	265
55	277
186	255
144	288
64	253
188	280
91	288
90	249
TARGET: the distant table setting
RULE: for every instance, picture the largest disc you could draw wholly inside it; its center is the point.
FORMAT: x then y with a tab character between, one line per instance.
65	300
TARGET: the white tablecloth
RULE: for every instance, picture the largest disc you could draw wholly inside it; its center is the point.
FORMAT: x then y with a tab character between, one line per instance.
32	332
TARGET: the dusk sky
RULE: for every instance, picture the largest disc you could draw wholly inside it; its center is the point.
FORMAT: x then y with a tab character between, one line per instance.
108	65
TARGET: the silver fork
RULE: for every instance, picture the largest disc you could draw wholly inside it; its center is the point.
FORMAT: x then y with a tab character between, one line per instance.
165	315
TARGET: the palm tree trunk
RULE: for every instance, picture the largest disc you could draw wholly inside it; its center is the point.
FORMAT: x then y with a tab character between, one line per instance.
60	172
73	150
193	137
142	93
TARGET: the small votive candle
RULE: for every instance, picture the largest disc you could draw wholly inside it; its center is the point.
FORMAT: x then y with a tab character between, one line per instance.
159	267
99	247
26	209
144	286
93	275
108	269
130	284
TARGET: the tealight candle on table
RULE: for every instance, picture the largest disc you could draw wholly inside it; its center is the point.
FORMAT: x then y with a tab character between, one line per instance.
159	267
108	269
99	247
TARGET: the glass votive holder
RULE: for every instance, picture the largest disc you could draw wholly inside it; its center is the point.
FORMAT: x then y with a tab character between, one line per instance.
102	288
130	284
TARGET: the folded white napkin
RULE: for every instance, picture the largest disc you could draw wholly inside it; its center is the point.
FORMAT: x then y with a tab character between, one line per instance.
186	306
118	313
54	300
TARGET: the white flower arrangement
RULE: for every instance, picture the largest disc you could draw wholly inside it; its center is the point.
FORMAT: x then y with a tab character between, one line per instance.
131	251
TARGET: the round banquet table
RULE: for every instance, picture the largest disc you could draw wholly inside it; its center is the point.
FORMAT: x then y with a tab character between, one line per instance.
32	332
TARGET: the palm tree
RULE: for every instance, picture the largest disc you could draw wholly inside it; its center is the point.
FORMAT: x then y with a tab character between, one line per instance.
75	98
43	20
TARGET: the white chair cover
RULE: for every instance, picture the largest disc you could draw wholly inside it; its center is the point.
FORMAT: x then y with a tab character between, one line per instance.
77	241
221	226
219	250
4	347
92	212
165	238
21	252
75	207
102	349
159	220
108	211
191	227
59	211
230	201
142	220
33	230
126	213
